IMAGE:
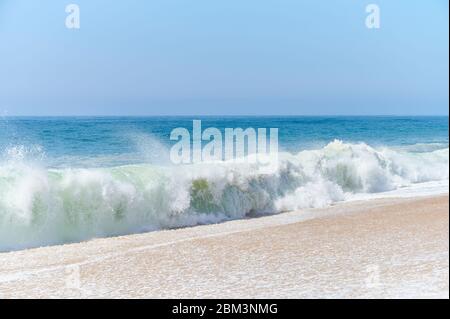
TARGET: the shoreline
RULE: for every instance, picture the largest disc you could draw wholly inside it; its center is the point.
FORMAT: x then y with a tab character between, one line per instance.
390	247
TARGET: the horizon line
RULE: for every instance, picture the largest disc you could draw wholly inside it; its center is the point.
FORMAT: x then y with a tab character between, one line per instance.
233	115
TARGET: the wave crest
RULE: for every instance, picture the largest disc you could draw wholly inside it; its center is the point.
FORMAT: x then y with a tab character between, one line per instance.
42	206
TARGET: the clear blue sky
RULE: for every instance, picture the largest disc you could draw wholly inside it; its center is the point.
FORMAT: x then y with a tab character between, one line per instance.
189	57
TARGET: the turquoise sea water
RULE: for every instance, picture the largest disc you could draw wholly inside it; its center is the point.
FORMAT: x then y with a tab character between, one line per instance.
109	141
71	179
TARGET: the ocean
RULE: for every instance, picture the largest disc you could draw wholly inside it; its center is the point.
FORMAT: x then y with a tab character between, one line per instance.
68	179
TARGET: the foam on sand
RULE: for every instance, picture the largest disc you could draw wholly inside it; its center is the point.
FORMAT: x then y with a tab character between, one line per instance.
384	248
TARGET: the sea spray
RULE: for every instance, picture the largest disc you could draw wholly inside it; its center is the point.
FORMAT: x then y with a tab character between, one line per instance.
41	206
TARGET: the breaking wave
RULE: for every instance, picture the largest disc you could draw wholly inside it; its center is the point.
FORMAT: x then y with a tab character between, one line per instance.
40	206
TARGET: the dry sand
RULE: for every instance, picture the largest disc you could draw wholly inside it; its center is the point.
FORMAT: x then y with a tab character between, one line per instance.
378	248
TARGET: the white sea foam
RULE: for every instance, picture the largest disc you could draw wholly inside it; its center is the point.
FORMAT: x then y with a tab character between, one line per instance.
41	206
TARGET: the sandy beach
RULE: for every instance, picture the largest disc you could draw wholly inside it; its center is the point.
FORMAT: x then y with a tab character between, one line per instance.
383	248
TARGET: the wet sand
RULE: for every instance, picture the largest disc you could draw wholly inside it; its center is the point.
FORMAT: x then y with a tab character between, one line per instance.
384	248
